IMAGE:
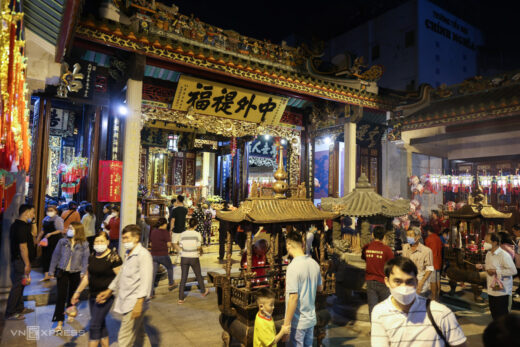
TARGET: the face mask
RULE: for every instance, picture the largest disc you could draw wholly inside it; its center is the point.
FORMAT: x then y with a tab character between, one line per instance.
70	232
51	214
403	294
487	246
100	248
410	240
128	245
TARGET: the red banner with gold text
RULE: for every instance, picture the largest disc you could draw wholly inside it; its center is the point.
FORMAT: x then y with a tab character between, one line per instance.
109	182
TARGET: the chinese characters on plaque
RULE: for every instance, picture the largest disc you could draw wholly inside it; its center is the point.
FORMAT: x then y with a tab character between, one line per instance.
227	101
110	178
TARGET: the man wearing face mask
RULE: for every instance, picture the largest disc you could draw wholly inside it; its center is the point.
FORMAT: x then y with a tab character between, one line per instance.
22	253
134	287
407	319
422	257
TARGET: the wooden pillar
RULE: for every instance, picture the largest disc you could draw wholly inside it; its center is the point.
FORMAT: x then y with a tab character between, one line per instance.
93	163
41	149
244	188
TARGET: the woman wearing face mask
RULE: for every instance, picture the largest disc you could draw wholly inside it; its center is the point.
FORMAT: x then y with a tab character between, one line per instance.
103	266
68	264
51	231
500	268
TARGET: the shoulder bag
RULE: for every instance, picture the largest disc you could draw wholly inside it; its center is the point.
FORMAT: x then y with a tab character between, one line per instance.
435	326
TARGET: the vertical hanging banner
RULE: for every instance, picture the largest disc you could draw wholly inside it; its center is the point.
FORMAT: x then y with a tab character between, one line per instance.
222	100
109	182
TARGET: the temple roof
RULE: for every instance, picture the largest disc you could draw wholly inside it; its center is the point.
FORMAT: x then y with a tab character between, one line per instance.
161	32
478	210
363	201
296	81
273	210
474	99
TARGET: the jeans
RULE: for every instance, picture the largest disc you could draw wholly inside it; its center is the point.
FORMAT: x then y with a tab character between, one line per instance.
167	263
67	283
222	236
98	314
498	305
132	331
376	292
301	337
15	299
185	267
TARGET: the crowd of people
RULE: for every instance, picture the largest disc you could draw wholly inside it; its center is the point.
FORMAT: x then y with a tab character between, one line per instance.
403	287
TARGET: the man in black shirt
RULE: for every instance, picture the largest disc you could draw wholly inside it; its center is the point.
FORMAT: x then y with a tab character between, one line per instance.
21	241
178	223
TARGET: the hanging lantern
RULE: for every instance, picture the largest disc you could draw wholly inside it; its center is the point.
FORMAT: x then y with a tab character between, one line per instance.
486	181
502	183
467	182
455	182
515	181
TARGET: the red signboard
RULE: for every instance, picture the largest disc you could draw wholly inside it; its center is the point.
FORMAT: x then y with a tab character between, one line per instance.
110	177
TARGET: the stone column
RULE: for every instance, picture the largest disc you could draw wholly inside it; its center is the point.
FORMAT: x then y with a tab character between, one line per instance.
350	157
131	141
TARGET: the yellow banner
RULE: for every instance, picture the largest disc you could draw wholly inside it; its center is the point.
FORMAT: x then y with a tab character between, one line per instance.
222	100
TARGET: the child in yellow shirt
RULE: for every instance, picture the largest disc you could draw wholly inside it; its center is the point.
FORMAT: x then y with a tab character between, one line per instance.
265	330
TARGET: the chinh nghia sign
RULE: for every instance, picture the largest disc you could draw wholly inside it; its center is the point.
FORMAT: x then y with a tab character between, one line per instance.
221	100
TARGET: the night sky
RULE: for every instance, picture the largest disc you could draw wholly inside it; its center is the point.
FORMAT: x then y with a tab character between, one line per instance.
277	19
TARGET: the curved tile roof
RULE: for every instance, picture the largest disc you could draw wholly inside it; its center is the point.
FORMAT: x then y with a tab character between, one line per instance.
364	202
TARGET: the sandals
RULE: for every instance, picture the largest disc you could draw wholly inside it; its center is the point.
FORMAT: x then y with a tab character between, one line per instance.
16	316
180	302
172	287
206	293
58	330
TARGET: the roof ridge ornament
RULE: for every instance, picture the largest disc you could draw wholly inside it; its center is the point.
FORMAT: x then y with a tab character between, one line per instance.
363	182
280	186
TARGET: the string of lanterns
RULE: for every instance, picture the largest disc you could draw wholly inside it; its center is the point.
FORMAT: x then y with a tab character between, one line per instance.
14	113
434	183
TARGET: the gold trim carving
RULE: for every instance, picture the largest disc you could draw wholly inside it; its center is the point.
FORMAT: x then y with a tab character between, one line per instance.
229	128
312	87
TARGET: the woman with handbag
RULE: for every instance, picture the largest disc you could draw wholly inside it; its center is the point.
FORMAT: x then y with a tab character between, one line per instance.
69	263
500	269
103	266
48	237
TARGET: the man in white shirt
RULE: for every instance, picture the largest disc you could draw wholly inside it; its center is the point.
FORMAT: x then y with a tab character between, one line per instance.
302	282
407	319
133	284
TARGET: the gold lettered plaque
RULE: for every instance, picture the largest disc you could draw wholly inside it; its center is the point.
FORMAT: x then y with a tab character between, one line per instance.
222	100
